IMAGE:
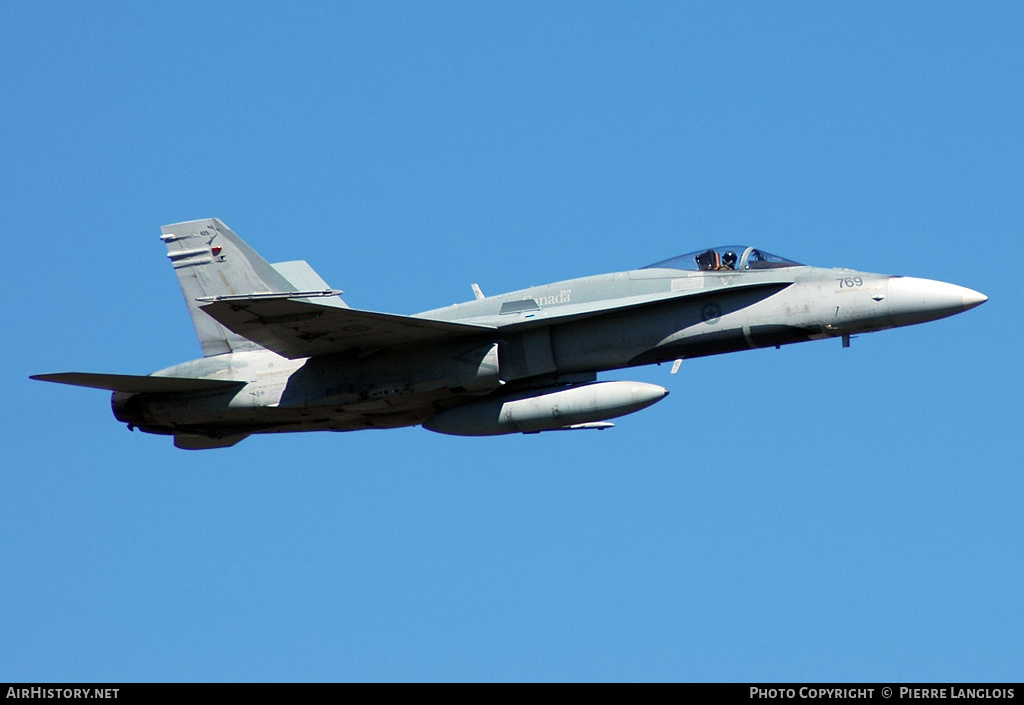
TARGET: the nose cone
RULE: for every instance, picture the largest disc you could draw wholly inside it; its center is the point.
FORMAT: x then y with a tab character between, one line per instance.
913	300
973	298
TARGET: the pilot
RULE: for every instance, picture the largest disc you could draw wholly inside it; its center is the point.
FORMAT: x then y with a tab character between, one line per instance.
728	260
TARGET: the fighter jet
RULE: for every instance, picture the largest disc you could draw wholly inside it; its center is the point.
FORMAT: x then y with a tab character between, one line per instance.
283	352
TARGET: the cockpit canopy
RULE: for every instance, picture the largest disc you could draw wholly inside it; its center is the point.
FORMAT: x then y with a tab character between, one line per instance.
730	257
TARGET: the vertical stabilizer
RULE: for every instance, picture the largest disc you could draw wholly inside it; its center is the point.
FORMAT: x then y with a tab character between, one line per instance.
210	260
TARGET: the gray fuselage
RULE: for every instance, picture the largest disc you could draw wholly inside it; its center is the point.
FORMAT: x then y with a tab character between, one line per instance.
559	334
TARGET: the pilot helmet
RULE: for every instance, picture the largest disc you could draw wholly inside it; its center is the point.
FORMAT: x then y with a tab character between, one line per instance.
729	258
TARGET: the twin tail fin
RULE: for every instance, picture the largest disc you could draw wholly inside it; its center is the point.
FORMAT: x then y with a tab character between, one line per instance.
212	262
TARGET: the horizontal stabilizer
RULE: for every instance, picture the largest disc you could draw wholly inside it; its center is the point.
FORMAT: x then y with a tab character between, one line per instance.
137	383
295	328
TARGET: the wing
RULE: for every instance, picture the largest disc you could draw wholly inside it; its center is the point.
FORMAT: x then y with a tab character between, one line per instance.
296	328
137	383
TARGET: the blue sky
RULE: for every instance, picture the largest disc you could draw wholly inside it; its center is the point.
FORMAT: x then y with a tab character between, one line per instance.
809	514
